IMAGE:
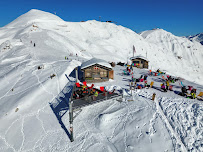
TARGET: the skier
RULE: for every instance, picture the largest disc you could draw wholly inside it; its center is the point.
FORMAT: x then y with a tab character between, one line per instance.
34	44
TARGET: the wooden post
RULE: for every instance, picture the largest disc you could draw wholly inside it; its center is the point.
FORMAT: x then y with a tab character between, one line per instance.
71	119
153	96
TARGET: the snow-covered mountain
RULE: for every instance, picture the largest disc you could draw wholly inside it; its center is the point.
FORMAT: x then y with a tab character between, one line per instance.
32	74
107	41
175	54
197	37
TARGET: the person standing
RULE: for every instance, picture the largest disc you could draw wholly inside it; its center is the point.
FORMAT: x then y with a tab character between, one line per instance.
167	84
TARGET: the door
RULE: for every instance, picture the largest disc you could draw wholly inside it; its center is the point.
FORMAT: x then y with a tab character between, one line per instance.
111	74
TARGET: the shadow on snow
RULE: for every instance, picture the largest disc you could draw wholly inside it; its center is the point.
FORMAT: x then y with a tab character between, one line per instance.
60	104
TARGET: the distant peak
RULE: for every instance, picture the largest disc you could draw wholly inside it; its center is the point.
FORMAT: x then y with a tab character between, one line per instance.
32	16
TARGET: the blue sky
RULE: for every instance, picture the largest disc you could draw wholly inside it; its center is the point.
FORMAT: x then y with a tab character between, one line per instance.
180	17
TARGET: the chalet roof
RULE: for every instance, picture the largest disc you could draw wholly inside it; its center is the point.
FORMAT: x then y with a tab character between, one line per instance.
139	56
94	61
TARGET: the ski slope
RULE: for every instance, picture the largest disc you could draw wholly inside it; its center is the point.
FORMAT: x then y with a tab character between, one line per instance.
171	123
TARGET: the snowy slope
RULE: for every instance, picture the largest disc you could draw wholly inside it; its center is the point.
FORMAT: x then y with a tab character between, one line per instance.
176	55
107	41
29	124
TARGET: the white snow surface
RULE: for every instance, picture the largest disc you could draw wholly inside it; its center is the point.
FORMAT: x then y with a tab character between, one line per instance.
27	123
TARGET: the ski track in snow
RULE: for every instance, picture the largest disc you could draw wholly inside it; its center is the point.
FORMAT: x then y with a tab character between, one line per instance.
159	110
29	114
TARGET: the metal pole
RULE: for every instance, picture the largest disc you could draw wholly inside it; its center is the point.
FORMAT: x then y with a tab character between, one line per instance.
71	119
133	50
76	74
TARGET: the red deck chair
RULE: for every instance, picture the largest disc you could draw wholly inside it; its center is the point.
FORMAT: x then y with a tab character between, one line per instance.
91	86
77	84
171	88
112	91
102	89
85	83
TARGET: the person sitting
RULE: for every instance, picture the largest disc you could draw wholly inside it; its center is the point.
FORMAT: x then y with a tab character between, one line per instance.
145	77
139	87
75	95
150	72
146	85
171	88
79	92
193	93
170	78
190	88
163	87
85	92
95	94
167	84
91	92
84	87
184	91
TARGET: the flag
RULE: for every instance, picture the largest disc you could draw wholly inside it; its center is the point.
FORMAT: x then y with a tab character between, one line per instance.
134	51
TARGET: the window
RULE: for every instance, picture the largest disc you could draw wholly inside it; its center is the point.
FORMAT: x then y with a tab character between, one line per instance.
103	73
136	62
87	74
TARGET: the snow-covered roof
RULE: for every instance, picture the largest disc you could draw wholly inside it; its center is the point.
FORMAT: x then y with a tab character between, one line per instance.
94	61
139	56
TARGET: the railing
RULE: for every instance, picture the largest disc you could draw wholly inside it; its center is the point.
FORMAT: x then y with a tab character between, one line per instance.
89	100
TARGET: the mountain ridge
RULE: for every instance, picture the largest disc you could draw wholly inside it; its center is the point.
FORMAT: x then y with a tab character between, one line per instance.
107	41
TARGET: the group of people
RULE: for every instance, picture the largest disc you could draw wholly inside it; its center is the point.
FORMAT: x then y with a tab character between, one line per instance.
137	85
166	86
129	70
184	92
85	92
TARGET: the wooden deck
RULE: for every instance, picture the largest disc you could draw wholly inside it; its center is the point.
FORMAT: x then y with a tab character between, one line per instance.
85	101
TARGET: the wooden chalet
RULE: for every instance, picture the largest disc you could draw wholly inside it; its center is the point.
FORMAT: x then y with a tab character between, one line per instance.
140	62
97	70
